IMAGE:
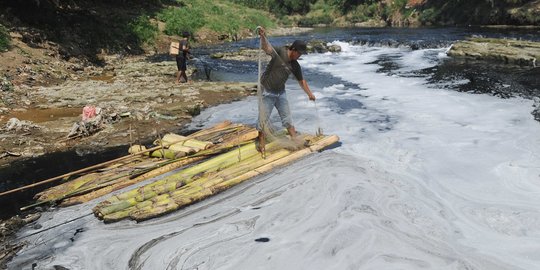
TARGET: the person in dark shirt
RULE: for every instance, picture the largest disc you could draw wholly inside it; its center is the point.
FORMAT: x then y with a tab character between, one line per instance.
182	57
283	63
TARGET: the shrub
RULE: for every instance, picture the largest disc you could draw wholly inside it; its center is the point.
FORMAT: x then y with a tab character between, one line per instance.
144	30
428	16
309	21
178	20
5	39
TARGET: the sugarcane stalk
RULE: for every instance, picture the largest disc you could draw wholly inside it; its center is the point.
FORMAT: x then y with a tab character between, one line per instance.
103	183
119	215
319	145
145	192
185	149
203	187
186	141
185	176
197	191
192	158
166	153
59	190
97	166
150	174
223	125
179	179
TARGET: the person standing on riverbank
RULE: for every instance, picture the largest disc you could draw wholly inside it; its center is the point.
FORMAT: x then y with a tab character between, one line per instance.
182	57
284	62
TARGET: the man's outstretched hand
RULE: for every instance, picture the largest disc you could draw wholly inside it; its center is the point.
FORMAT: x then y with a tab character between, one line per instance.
261	30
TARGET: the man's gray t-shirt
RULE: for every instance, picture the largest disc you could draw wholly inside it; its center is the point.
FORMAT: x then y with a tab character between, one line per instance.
278	70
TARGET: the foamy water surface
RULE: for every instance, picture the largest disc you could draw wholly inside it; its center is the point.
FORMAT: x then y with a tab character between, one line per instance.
425	178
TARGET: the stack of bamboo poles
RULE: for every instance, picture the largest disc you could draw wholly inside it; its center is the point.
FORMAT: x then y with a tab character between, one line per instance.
136	167
202	180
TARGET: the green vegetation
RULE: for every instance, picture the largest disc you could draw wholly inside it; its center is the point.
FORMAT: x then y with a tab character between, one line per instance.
366	11
219	16
4	38
279	7
144	29
406	12
428	16
321	13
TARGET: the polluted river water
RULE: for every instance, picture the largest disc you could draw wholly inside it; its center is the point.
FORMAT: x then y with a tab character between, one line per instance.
425	177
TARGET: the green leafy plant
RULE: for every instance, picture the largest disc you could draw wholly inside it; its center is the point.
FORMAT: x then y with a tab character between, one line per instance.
178	20
144	30
310	21
222	17
428	15
5	39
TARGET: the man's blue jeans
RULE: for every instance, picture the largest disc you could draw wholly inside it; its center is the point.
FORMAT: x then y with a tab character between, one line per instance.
269	101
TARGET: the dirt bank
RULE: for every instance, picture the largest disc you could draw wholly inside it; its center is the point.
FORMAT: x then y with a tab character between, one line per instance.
138	98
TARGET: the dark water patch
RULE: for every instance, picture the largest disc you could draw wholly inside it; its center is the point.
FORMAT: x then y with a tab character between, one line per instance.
388	63
262	240
343	106
29	171
77	231
25	172
485	78
320	79
382	122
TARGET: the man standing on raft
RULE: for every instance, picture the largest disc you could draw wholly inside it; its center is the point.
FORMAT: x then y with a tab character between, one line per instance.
283	63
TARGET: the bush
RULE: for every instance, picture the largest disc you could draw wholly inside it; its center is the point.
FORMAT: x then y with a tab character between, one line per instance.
310	21
365	12
178	20
221	17
144	30
428	16
5	39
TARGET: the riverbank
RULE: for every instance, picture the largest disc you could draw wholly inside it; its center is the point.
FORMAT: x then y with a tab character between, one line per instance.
138	99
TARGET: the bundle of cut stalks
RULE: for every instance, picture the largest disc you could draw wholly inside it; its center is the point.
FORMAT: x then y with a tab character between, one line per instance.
143	164
200	181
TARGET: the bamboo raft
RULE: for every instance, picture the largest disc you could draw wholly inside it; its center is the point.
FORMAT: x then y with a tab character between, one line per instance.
225	155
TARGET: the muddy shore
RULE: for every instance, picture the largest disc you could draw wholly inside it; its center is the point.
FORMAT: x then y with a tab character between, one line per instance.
139	99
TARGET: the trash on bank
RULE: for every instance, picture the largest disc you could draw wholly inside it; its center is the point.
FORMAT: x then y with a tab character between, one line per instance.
14	124
93	120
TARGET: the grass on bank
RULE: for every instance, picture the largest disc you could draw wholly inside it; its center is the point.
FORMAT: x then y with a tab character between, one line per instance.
144	29
221	16
4	38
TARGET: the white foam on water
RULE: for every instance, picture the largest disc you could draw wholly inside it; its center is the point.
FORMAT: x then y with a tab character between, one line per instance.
424	178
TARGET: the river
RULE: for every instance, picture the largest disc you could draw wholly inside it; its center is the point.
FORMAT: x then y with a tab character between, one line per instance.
438	168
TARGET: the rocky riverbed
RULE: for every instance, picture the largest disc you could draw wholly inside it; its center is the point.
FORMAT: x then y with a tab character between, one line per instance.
138	98
508	51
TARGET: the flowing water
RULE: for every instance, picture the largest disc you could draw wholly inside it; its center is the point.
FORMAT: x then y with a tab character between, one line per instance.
438	168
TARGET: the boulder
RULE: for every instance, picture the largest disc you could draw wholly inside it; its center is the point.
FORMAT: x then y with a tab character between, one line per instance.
509	51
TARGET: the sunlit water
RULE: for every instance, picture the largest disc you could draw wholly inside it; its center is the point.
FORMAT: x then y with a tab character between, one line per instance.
425	178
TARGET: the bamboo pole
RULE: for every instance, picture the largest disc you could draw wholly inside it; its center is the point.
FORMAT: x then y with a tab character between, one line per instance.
144	174
204	187
153	173
81	170
90	180
208	185
181	178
